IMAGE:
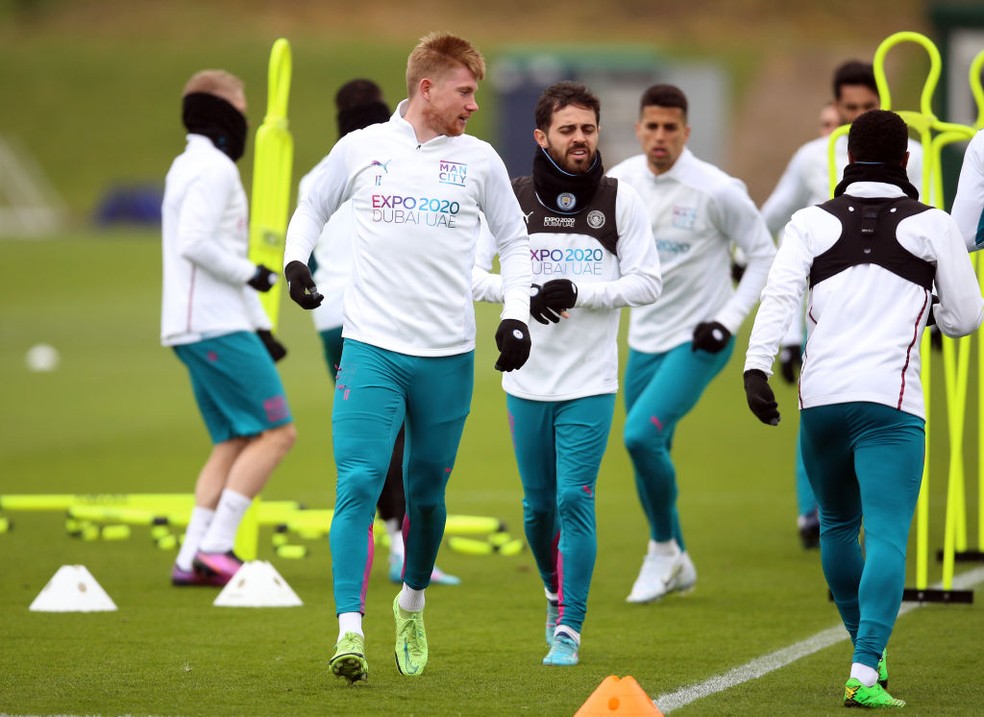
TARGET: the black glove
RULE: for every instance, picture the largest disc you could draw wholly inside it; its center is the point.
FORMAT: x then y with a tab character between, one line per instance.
276	349
551	299
760	397
790	362
710	336
935	335
301	286
512	338
263	279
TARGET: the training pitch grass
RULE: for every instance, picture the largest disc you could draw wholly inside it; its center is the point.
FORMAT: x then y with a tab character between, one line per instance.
118	416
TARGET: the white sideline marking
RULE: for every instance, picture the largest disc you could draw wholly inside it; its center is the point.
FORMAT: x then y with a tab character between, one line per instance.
761	666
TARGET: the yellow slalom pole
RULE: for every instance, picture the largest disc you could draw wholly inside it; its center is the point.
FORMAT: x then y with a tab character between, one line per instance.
921	121
273	161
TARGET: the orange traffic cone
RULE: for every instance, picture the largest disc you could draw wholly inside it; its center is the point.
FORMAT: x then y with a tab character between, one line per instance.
624	697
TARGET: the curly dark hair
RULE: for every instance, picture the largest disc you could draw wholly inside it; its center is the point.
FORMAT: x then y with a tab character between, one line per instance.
878	136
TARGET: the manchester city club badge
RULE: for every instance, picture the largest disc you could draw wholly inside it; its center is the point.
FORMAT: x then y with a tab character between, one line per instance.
566	201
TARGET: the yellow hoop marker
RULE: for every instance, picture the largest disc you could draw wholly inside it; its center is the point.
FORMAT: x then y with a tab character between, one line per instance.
976	67
273	161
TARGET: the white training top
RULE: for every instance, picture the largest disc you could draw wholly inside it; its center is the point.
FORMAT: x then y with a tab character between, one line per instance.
333	254
578	356
205	245
415	208
806	180
968	204
696	212
864	323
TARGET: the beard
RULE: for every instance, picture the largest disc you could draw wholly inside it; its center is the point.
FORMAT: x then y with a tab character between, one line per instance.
569	163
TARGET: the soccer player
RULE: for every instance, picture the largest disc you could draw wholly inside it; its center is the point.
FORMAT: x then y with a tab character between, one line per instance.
869	260
805	182
968	203
211	316
359	103
680	343
417	184
592	253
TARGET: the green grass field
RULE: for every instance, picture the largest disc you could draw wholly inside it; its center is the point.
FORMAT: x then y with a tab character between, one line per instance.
118	417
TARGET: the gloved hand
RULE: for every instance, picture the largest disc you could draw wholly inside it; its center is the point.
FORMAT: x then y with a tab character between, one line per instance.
935	335
301	286
263	278
760	398
276	349
790	362
512	338
710	336
554	297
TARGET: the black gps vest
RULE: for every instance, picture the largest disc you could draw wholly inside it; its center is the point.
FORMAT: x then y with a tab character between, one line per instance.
596	220
868	236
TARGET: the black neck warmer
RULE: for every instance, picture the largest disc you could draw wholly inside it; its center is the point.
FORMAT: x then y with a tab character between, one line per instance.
218	120
562	191
361	116
877	172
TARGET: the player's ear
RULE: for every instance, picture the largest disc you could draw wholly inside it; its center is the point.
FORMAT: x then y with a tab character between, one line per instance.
540	137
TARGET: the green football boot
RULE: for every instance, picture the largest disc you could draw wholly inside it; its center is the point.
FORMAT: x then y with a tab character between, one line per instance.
411	640
858	695
883	669
349	660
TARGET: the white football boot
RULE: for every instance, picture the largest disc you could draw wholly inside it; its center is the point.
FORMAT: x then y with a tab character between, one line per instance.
665	569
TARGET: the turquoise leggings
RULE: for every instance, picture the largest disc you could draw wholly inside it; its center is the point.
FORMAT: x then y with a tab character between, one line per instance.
559	446
865	463
660	389
377	391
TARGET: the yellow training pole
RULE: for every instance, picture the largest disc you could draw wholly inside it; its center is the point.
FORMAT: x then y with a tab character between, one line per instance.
273	161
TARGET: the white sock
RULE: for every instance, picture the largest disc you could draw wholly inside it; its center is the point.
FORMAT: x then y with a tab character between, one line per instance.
350	622
551	597
667	548
569	631
867	675
221	534
197	525
411	600
394	529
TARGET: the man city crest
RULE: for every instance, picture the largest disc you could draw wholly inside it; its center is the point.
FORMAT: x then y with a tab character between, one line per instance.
596	219
566	201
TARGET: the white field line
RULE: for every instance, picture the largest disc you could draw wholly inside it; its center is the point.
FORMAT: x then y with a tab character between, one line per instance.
761	666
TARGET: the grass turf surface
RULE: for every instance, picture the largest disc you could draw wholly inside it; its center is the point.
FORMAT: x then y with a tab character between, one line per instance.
118	416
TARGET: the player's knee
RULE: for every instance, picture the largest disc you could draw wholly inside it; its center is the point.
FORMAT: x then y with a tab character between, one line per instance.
641	437
576	507
281	439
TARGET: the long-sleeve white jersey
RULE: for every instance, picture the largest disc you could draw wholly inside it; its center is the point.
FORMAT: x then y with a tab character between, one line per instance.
696	211
415	208
607	250
968	204
205	246
864	323
806	180
333	255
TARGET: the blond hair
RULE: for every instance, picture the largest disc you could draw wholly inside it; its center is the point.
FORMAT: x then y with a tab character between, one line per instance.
215	82
439	52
